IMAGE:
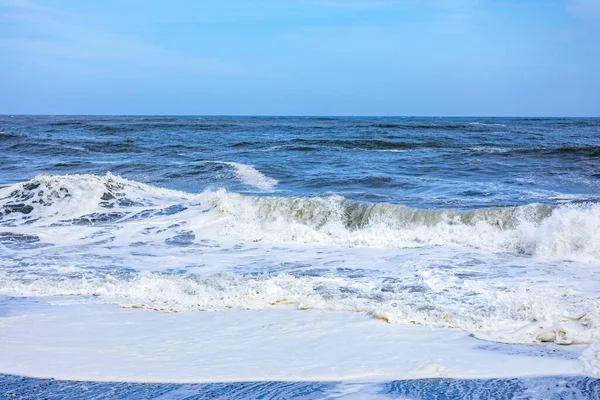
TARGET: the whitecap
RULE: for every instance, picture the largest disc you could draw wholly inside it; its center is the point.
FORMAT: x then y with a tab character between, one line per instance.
253	177
564	232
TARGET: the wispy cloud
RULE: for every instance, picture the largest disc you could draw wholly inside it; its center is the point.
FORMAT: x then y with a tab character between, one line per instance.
52	33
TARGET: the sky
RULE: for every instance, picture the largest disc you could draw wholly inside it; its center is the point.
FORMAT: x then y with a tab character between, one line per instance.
301	57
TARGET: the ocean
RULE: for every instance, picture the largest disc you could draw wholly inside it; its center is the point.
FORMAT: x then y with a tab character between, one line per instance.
354	256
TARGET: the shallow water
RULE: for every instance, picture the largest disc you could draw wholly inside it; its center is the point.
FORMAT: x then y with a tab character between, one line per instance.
536	388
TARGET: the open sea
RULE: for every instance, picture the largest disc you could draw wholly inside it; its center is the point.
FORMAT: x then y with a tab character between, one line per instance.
299	257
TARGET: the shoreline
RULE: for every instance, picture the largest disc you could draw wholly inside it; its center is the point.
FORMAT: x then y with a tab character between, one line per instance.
550	387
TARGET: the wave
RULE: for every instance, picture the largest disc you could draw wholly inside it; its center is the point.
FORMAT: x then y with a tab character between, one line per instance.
110	129
591	151
246	174
68	123
161	119
253	177
358	144
516	315
43	148
581	151
489	149
486	124
400	146
565	232
8	136
471	126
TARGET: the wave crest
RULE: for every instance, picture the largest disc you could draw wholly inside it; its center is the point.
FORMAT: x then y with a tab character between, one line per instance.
566	232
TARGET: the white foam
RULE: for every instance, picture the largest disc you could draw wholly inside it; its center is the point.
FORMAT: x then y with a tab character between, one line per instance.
56	198
490	149
570	232
253	177
484	124
498	273
104	344
434	299
566	232
75	148
388	150
590	359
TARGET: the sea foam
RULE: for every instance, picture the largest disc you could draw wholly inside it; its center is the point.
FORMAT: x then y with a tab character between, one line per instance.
565	232
517	315
253	177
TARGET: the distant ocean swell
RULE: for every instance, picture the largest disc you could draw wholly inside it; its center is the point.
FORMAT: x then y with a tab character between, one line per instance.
565	232
20	143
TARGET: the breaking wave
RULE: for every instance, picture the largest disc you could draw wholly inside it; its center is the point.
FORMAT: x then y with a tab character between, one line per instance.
253	177
566	232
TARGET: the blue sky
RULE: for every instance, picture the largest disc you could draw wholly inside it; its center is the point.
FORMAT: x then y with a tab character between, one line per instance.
301	57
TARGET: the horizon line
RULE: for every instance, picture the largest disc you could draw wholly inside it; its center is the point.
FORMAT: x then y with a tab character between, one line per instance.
292	116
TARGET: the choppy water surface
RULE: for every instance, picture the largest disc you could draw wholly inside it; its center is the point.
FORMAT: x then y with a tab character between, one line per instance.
490	225
417	162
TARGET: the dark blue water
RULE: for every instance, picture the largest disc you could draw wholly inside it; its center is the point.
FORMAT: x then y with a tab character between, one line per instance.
418	162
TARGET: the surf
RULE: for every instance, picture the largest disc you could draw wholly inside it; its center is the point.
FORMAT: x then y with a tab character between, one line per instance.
569	231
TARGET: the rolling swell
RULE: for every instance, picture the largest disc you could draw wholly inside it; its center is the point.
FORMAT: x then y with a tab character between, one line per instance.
585	151
381	144
566	232
361	144
470	127
5	136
